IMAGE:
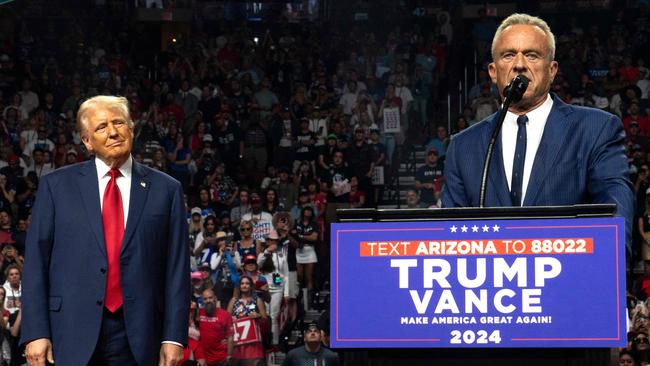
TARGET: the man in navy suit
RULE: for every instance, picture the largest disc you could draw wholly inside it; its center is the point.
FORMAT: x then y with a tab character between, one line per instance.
107	266
570	155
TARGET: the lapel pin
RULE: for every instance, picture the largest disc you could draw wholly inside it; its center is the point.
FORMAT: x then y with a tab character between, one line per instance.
143	184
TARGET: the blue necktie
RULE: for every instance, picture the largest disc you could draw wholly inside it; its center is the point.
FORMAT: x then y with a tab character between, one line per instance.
518	163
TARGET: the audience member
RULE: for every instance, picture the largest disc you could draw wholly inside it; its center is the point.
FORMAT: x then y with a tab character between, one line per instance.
313	352
230	117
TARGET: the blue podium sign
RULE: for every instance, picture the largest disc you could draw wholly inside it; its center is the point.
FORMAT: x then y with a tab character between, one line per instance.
479	283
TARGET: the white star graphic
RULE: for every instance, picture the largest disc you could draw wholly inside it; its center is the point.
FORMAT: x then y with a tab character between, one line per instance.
463	228
475	229
495	228
486	228
453	228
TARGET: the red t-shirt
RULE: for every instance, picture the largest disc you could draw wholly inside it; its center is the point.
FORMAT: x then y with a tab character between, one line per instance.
355	197
215	331
643	121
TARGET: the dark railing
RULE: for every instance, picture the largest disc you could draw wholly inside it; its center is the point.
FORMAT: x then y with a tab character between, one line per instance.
405	154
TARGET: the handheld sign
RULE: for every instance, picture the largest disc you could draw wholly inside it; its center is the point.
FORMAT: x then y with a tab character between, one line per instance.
246	331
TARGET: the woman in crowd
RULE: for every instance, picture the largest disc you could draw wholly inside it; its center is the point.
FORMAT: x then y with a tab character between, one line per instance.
13	288
625	358
241	209
247	245
307	234
225	266
247	305
461	124
363	117
205	201
274	264
223	190
271	201
319	200
644	228
640	348
196	140
207	237
4	313
193	351
199	283
251	269
303	175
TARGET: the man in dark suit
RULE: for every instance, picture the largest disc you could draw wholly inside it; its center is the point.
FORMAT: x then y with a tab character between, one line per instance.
548	153
107	266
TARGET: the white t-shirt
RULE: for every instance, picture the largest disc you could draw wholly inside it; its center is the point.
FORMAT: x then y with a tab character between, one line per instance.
12	297
262	224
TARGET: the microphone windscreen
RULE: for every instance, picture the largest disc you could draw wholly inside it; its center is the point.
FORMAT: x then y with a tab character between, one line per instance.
516	89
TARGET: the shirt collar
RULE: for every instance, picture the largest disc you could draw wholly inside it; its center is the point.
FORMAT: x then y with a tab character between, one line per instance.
538	114
103	169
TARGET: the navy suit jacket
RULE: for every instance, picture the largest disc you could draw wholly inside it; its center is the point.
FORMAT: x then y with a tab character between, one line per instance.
65	265
580	159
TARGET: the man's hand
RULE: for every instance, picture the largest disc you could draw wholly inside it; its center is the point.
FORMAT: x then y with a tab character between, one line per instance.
39	350
170	355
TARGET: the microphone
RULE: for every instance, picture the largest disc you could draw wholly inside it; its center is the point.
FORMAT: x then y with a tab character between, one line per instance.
516	89
511	93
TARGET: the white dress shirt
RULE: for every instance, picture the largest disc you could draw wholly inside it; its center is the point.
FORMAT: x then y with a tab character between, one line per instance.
534	130
123	182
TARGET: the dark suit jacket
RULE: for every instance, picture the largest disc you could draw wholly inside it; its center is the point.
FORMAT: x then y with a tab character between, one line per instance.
580	159
65	265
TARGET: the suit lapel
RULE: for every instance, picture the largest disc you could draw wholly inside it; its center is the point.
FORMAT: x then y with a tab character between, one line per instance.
140	186
555	133
89	188
498	184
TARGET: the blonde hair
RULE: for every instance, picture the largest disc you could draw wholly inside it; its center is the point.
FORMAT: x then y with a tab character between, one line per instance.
245	222
110	102
525	19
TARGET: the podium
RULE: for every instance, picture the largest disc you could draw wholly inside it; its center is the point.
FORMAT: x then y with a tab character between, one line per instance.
489	286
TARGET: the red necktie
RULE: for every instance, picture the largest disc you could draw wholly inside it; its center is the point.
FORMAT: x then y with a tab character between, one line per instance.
113	218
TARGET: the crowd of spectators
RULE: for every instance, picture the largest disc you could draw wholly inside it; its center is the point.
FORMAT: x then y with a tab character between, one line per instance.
270	132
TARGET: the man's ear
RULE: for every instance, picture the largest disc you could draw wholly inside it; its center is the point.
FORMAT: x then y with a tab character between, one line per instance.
86	140
492	72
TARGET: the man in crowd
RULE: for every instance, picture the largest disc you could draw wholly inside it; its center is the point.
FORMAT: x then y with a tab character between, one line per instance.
216	329
286	190
413	199
129	302
439	142
265	99
261	220
633	115
38	166
6	226
42	142
428	178
229	142
348	100
361	159
313	352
